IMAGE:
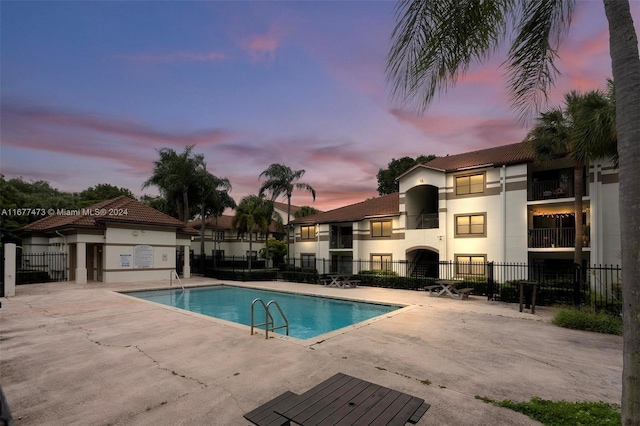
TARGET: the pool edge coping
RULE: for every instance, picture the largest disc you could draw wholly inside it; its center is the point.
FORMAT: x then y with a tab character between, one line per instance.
312	341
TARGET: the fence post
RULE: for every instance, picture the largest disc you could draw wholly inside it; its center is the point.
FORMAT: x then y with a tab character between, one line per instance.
9	270
490	282
577	276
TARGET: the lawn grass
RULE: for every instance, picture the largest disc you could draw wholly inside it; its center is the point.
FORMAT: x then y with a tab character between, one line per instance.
588	320
564	413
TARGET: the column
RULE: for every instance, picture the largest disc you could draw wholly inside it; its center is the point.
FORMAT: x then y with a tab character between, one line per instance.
9	270
186	269
81	263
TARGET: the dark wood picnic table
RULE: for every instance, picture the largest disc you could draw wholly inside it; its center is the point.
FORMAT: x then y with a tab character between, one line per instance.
347	400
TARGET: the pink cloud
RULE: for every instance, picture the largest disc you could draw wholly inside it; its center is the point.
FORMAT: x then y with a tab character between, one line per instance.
263	47
463	133
38	174
59	131
175	57
585	63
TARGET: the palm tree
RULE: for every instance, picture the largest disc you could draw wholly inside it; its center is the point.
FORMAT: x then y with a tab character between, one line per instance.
305	211
595	126
435	41
551	138
272	216
176	177
214	199
281	181
250	216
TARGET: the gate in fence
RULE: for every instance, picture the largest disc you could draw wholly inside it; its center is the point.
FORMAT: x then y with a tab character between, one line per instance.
41	267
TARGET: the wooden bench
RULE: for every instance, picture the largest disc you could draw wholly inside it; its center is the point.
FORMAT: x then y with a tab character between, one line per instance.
419	413
353	283
264	415
463	293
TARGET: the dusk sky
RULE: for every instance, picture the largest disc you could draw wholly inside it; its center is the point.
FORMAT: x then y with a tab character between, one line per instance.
90	91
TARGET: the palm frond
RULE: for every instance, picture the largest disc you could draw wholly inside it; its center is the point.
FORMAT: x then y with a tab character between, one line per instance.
531	69
548	138
595	128
434	42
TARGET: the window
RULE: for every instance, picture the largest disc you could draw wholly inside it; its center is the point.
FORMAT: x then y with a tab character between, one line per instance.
470	225
380	228
220	236
471	265
472	184
308	260
308	232
381	262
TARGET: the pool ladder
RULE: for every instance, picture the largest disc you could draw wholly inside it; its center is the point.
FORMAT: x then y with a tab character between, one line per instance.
269	324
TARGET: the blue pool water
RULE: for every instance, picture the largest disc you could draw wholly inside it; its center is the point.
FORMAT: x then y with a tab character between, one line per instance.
308	316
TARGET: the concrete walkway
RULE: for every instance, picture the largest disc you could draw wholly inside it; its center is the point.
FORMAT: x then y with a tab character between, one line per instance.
86	355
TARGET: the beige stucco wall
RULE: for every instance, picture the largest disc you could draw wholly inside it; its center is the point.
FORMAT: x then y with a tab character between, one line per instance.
35	244
119	254
609	235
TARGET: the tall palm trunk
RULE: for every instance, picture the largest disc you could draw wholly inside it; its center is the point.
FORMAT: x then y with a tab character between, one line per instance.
250	249
578	181
625	61
185	205
202	254
288	224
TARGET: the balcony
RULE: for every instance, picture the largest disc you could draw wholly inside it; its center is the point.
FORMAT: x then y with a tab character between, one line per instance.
550	189
342	242
425	221
554	238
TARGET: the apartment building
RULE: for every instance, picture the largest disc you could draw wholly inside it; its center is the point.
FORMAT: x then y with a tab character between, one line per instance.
221	240
496	204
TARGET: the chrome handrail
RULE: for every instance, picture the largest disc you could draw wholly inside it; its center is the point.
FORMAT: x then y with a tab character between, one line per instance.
268	318
171	274
286	321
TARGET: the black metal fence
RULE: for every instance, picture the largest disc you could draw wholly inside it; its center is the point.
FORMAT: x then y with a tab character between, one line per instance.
598	286
40	267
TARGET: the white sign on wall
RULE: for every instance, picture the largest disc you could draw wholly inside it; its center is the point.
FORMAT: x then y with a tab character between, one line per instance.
125	260
143	256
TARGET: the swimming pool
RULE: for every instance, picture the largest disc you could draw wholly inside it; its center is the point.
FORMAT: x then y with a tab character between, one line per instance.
309	316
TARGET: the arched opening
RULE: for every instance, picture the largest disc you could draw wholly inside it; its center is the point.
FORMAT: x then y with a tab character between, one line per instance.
422	207
423	262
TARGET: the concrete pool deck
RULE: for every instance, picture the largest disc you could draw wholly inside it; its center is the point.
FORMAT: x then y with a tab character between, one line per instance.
84	354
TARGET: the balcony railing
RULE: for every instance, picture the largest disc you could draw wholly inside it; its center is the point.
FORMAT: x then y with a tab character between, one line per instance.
343	242
549	189
427	221
553	237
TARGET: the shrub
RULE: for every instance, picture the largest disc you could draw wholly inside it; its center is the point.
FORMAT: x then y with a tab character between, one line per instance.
561	413
301	275
589	320
30	276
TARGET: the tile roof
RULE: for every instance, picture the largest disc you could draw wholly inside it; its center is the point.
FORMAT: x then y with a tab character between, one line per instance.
387	205
121	209
283	207
224	223
497	156
221	222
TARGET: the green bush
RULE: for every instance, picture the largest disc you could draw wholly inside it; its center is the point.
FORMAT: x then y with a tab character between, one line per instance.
564	413
380	278
25	276
589	320
300	275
